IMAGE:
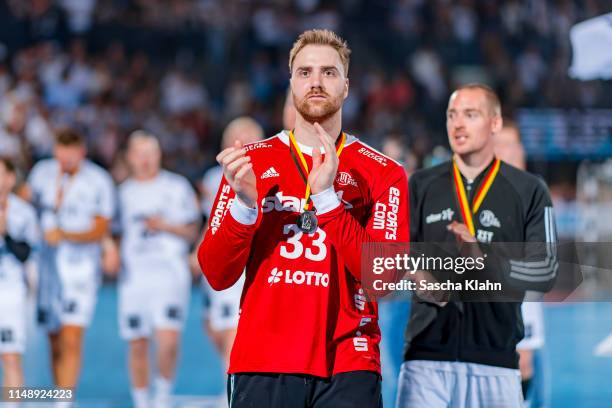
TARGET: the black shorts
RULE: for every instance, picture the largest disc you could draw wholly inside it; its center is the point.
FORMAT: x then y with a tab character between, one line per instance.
345	390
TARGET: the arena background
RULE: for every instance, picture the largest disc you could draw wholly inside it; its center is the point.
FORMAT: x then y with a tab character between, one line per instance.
182	69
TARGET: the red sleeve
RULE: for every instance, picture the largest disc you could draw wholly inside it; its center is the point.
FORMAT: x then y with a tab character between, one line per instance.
388	222
225	248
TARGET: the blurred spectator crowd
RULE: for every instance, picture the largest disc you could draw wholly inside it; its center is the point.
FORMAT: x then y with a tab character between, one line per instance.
183	68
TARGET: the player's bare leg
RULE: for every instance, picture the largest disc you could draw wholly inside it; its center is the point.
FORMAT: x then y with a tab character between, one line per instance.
71	340
227	340
167	353
138	361
12	370
223	341
56	354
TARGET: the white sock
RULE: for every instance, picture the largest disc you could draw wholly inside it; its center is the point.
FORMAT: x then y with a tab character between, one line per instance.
140	397
163	389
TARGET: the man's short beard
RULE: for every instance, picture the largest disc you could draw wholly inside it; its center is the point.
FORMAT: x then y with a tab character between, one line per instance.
328	109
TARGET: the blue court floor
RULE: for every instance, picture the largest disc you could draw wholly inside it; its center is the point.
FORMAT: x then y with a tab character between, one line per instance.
578	378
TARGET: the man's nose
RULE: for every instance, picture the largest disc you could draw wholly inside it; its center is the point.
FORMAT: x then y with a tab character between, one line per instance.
315	80
458	123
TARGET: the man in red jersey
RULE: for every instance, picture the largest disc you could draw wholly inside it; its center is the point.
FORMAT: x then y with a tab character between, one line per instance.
295	210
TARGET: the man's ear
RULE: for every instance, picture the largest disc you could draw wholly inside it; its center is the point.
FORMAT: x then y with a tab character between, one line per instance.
498	124
346	88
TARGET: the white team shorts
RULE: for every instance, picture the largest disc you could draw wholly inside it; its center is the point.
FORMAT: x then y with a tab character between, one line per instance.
68	293
452	384
222	308
533	320
12	320
148	304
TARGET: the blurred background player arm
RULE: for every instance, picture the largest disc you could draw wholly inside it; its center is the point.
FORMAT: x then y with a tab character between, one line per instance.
101	222
19	248
98	230
184	223
187	231
111	257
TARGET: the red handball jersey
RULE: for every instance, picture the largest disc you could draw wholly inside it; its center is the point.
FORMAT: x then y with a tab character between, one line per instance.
303	309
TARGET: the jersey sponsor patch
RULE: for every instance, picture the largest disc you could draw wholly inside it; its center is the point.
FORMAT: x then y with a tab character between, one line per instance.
374	156
219	211
360	343
444	215
289	277
484	236
281	202
345	179
385	214
258	145
360	300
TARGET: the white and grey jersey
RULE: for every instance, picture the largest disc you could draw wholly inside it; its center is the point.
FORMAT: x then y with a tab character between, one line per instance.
21	226
169	196
88	194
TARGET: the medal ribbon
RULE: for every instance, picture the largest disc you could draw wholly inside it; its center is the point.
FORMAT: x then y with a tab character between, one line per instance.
464	205
303	166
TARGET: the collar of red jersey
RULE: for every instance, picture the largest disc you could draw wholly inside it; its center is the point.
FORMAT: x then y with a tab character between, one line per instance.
284	137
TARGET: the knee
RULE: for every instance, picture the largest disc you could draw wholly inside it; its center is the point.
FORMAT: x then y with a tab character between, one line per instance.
168	348
139	348
11	362
71	340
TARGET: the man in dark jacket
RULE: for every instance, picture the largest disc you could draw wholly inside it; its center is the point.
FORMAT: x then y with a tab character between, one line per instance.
462	352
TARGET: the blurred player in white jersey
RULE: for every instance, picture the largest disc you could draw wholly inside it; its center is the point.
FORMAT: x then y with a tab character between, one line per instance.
19	237
159	220
75	200
509	148
222	307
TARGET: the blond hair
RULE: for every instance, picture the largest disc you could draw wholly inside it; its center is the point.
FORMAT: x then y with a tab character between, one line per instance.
492	98
321	37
